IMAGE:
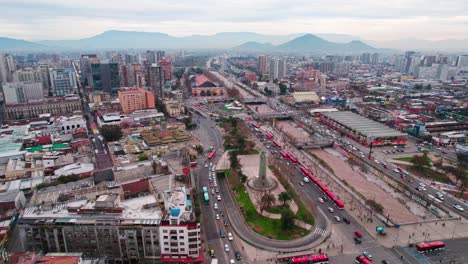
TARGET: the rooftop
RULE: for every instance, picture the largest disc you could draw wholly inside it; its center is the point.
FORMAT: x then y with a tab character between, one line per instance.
363	125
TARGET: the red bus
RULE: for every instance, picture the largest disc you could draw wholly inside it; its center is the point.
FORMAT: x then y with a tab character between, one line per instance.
284	154
193	164
362	260
319	259
277	144
430	246
212	154
255	125
339	203
292	158
269	136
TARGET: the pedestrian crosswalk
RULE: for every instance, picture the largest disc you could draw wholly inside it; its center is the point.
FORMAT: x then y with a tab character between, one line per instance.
320	231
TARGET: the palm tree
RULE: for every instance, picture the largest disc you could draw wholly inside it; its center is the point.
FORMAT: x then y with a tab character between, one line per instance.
284	197
267	201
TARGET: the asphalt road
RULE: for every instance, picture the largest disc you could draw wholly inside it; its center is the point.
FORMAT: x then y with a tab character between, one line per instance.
454	252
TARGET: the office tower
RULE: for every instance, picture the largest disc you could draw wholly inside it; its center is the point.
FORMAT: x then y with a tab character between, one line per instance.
105	77
117	58
414	63
342	68
155	79
45	76
166	66
442	59
151	57
277	69
135	99
462	61
365	58
160	55
85	67
400	64
409	54
128	75
429	60
131	59
447	72
263	64
63	82
23	92
3	68
374	58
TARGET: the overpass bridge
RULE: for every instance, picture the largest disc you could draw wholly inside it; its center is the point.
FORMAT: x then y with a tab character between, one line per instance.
315	145
275	115
254	101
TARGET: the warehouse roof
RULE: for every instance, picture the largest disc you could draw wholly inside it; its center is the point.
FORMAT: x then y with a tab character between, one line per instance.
362	125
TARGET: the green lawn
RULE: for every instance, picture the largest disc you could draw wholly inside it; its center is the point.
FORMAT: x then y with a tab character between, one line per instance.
407	159
263	225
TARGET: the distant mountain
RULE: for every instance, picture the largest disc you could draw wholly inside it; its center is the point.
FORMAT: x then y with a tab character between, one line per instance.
309	44
446	45
115	39
18	44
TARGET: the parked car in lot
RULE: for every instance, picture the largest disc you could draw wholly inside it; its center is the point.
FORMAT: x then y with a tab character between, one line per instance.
321	200
330	210
346	220
367	255
337	218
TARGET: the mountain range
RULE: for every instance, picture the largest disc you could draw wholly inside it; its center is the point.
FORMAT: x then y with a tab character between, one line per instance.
115	39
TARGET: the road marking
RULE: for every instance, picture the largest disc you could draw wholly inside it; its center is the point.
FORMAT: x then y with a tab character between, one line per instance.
320	231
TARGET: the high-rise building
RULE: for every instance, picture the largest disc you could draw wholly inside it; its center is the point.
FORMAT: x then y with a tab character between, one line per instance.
400	64
166	66
135	99
374	58
342	68
105	77
85	66
160	55
128	75
462	61
263	64
45	76
155	79
414	63
117	58
151	57
365	58
22	92
277	69
429	60
3	68
409	54
63	82
131	59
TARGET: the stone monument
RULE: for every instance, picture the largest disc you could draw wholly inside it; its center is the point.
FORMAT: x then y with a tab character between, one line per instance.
262	182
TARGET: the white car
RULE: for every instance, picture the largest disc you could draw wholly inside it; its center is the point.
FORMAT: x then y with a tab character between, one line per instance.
337	218
376	161
306	179
226	247
458	207
396	171
215	206
217	216
206	165
321	200
230	237
367	255
330	210
218	197
301	184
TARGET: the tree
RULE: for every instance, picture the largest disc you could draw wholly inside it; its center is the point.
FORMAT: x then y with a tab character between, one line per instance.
287	219
420	162
142	157
199	149
283	88
284	197
235	164
111	132
267	200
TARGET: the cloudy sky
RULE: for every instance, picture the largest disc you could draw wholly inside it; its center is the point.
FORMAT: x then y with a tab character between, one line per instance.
369	19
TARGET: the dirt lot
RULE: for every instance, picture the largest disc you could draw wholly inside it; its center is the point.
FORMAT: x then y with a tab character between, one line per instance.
293	130
261	108
371	188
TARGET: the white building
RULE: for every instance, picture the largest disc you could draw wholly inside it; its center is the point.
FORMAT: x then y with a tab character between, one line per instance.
277	69
462	61
23	92
65	124
63	82
82	169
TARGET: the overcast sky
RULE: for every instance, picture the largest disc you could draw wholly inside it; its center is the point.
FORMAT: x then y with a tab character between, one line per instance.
369	19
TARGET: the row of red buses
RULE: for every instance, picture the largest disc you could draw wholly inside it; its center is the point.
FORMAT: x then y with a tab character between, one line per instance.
284	154
363	260
291	157
213	152
319	259
430	246
277	144
331	195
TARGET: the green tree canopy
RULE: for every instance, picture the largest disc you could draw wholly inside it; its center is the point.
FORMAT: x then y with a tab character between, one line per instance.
287	219
284	197
111	132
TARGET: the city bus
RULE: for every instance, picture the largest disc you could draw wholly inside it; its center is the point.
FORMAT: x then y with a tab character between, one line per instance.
362	260
430	246
277	144
212	153
206	198
316	259
284	154
292	158
269	136
256	126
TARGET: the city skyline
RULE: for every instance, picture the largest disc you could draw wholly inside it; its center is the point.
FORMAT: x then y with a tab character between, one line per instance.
53	20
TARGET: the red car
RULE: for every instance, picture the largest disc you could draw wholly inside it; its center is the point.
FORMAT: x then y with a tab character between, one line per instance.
444	152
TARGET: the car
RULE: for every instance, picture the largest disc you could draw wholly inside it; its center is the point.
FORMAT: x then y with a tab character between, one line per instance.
217	216
367	255
321	200
306	179
357	240
212	253
221	234
226	247
216	190
330	210
376	161
218	197
337	218
385	261
206	165
402	176
232	261
215	206
212	192
346	220
396	171
405	172
458	207
444	152
238	255
301	183
230	237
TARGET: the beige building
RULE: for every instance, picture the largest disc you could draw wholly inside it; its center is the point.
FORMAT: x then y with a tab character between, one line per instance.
173	107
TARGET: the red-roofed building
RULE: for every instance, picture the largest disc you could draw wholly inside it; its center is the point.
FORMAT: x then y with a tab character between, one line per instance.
133	188
203	81
136	99
44	140
203	86
251	76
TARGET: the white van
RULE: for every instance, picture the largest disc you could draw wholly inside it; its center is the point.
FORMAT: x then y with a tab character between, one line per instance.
306	179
